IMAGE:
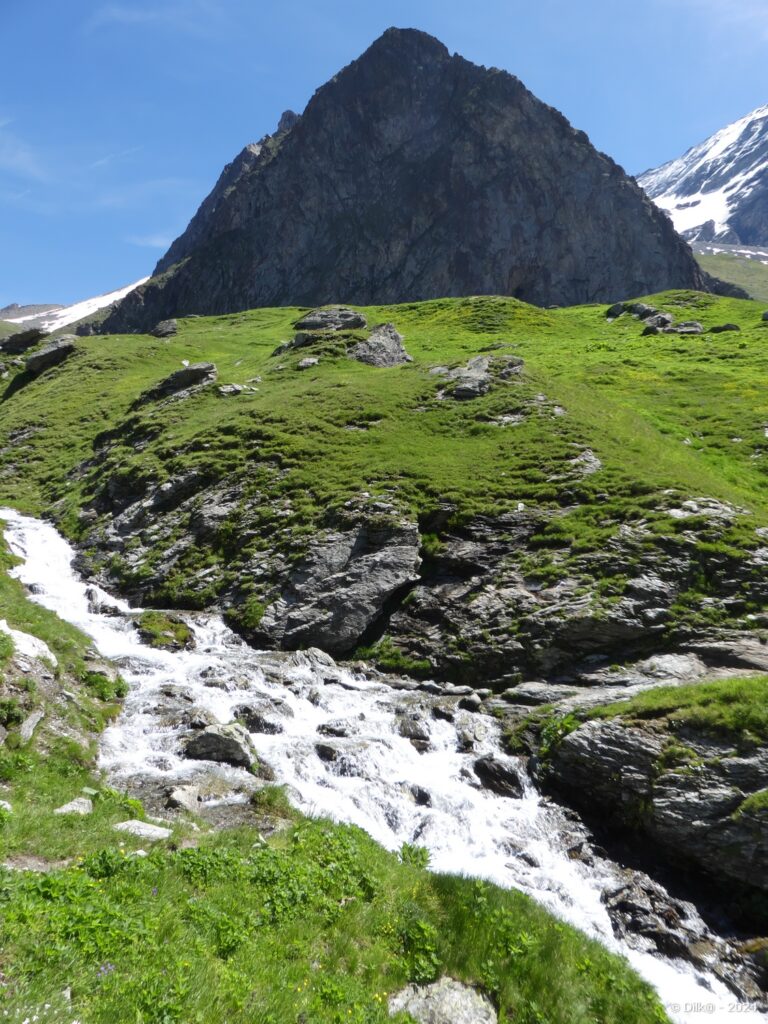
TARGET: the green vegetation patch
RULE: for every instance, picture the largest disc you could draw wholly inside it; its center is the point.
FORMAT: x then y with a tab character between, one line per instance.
319	925
158	629
735	710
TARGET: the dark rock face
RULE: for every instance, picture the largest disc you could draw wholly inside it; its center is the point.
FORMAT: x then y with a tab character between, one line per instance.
340	589
692	809
498	777
414	174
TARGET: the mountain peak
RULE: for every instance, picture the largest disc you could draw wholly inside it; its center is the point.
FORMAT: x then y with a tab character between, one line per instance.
413	174
718	190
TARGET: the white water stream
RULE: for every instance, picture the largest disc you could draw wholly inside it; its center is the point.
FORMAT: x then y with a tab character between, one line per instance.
516	843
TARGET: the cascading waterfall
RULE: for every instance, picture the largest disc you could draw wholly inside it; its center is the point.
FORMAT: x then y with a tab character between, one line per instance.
516	843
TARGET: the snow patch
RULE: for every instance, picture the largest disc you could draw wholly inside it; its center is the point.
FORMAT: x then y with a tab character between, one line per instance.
58	318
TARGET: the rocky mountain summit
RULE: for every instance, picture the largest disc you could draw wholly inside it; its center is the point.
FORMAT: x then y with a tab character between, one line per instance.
718	190
414	174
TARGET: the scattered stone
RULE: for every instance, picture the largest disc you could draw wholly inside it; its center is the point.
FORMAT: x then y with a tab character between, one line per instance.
765	315
185	798
640	310
142	830
658	320
80	805
308	363
414	729
5	806
28	726
231	389
615	310
443	1002
689	327
383	348
51	355
499	777
165	329
335	318
721	328
228	744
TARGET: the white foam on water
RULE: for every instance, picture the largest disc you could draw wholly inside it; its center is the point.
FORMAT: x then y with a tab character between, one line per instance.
517	843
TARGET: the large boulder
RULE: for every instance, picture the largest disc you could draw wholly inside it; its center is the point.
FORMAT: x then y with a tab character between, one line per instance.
443	1002
342	586
195	375
336	318
228	744
383	347
16	344
165	329
499	777
51	355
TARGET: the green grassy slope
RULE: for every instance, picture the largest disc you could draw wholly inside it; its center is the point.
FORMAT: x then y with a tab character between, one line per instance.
661	412
751	275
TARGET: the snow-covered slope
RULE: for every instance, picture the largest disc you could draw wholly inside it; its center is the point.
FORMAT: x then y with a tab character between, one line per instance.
718	191
55	319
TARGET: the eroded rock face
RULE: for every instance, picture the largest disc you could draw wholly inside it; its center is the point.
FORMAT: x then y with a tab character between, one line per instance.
394	210
17	344
340	589
691	803
443	1002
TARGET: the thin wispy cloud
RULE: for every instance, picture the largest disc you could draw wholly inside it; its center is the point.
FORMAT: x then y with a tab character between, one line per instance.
18	158
112	158
158	241
191	16
738	14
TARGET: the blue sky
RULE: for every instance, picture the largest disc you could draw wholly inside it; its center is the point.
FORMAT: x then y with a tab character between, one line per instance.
117	117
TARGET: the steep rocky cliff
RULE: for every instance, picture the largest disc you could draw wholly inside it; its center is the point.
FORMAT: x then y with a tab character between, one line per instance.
414	174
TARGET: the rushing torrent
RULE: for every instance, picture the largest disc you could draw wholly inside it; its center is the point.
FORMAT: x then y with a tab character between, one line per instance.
376	772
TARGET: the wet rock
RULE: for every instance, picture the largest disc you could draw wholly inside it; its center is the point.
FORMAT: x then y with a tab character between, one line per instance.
165	329
383	347
338	730
335	318
143	830
422	796
229	744
472	702
50	355
414	729
443	1002
326	752
257	718
499	777
80	805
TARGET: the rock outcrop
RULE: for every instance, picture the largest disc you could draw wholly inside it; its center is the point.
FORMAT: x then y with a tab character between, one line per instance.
51	355
688	794
420	175
443	1002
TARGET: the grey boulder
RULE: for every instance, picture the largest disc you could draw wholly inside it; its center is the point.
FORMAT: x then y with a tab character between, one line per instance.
51	355
722	328
443	1002
165	329
383	347
336	318
228	744
192	376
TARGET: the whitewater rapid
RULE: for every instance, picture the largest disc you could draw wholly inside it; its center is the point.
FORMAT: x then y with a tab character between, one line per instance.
378	781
